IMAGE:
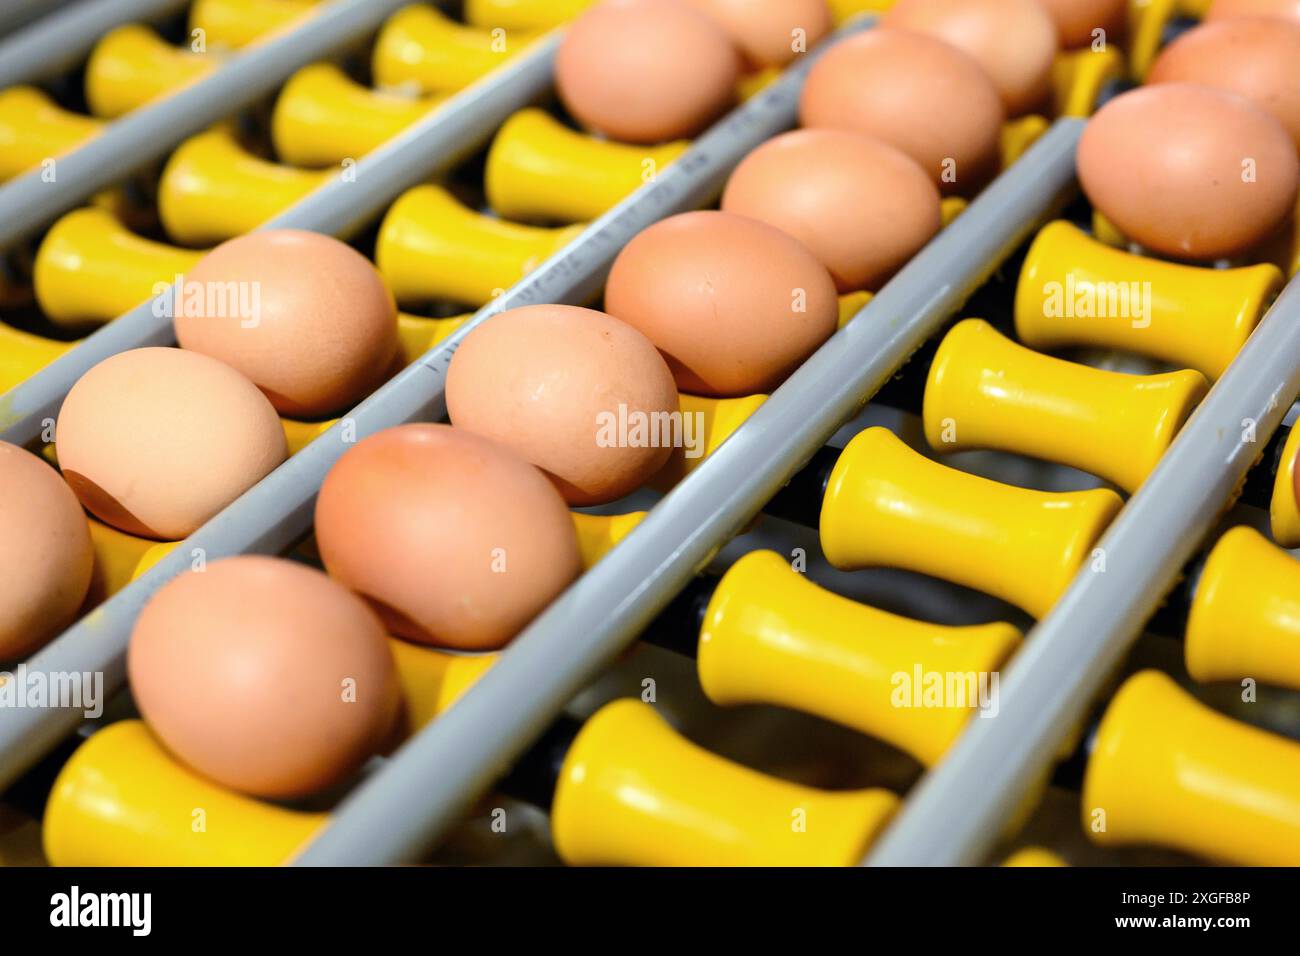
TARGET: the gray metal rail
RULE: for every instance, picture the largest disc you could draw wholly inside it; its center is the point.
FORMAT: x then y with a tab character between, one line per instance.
403	809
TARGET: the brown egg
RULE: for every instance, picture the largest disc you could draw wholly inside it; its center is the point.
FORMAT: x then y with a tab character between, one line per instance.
156	441
306	317
1077	19
45	553
1014	40
644	71
1227	9
574	391
453	539
861	206
1188	171
264	675
734	305
1256	57
915	92
770	32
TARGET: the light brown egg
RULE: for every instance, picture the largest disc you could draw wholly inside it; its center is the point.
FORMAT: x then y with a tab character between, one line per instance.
156	441
1189	171
861	206
264	675
1227	9
454	539
645	71
556	384
734	305
45	553
306	317
920	94
1077	19
1015	41
770	32
1256	57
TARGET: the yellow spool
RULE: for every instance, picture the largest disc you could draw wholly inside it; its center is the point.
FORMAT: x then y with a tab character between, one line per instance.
23	354
985	391
1198	318
90	268
324	118
540	169
772	636
1245	616
842	10
1146	25
416	334
1284	514
430	247
120	558
1078	77
888	506
633	792
1018	135
1034	856
237	23
717	419
1167	770
212	189
598	534
132	66
421	48
34	130
523	14
433	680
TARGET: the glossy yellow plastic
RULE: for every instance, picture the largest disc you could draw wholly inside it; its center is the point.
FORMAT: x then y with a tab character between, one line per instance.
1018	135
417	334
950	207
523	14
1078	77
1283	512
853	303
120	558
323	117
772	636
716	420
91	268
212	189
1283	250
986	391
1034	856
756	81
1198	318
23	354
842	10
421	48
1146	24
538	169
634	792
432	680
237	23
1104	231
1167	770
886	505
598	534
431	247
1245	615
33	129
133	65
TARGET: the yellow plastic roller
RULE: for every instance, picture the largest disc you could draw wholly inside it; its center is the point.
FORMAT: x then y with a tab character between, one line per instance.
432	680
1147	20
599	534
1078	77
431	247
23	354
1244	620
842	10
1167	770
1034	856
1074	290
212	189
323	117
985	391
772	636
523	14
34	129
1018	135
634	792
132	66
1284	511
237	23
416	334
540	169
120	558
888	506
713	421
421	48
90	268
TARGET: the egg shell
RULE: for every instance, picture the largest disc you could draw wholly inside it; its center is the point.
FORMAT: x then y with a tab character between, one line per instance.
917	93
1015	41
1256	57
547	381
770	32
317	327
733	304
1077	19
156	441
862	207
454	539
264	675
1227	9
646	71
1168	165
45	553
